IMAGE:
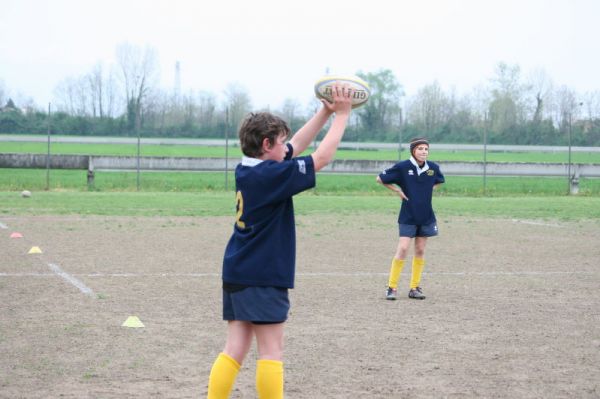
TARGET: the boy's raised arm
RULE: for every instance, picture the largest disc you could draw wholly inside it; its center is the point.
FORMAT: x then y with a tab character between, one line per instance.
342	106
307	133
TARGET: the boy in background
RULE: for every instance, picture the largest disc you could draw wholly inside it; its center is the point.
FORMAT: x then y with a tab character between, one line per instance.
413	180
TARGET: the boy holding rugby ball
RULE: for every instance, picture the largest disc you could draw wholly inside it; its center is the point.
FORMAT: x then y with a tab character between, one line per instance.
259	261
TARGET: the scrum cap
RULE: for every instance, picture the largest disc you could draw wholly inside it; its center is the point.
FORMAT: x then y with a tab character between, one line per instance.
415	142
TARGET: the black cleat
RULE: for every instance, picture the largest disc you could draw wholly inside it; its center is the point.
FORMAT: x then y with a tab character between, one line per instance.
416	293
391	294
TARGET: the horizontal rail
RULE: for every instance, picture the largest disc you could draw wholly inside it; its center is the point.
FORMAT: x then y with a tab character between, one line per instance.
451	168
346	145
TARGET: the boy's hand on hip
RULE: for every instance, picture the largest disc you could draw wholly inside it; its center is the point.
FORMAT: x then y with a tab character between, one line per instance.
402	195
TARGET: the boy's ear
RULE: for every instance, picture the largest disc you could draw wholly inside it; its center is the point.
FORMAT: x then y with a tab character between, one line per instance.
266	144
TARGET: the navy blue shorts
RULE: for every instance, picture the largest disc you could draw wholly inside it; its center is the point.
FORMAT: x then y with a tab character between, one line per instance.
418	230
261	305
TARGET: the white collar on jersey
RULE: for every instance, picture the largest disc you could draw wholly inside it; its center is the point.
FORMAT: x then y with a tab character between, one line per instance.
247	161
419	169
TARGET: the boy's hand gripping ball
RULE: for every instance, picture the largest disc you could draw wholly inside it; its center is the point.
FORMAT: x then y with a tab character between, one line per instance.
360	88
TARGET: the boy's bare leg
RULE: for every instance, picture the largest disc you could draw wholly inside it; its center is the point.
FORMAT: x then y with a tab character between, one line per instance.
228	363
269	340
269	367
420	243
402	249
239	339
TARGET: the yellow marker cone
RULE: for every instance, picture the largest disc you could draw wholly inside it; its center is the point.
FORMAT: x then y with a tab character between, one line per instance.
35	250
133	322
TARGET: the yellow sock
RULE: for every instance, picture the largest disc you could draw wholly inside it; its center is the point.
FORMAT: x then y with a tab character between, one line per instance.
417	269
269	379
395	270
222	376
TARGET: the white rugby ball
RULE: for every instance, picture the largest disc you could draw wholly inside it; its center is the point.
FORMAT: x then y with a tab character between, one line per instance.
361	90
25	193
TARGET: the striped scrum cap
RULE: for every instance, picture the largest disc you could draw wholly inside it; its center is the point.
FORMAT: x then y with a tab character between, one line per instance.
415	142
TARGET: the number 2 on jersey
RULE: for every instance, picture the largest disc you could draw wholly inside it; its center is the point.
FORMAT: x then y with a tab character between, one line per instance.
240	210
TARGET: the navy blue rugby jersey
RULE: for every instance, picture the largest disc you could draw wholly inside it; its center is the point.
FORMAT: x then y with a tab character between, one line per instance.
262	248
418	187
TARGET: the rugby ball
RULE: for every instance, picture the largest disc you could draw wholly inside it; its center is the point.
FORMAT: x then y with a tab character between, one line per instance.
360	94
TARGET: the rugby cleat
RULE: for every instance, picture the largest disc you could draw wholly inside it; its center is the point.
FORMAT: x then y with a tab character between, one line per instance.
416	293
391	294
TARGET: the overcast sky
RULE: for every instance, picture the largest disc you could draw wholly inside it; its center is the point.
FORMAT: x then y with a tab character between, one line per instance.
277	49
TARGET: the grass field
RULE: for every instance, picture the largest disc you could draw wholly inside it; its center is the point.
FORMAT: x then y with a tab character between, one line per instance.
218	152
152	204
157	253
512	286
35	180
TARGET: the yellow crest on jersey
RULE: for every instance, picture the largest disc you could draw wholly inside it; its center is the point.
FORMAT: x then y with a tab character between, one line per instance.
430	172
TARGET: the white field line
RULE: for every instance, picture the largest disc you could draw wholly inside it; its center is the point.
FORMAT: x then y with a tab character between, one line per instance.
324	274
515	273
536	223
82	287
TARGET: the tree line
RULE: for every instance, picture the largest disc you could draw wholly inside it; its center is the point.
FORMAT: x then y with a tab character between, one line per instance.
125	100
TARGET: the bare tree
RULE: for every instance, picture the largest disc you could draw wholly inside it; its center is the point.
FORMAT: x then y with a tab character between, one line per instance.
290	110
64	97
111	97
541	89
238	103
591	115
429	108
93	94
139	71
591	105
189	109
72	96
95	82
507	107
480	100
3	94
207	105
567	105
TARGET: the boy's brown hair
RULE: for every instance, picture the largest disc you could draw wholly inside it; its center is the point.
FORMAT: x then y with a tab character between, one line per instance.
258	126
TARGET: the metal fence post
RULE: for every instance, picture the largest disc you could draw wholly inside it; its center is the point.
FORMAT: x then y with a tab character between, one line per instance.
48	154
485	128
226	147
